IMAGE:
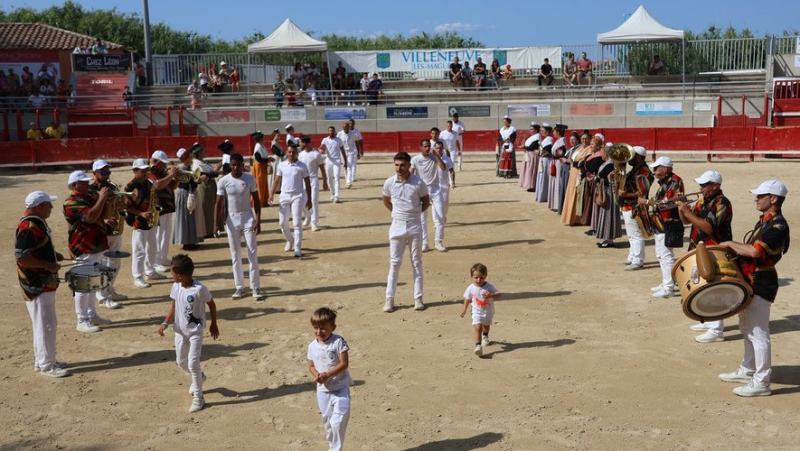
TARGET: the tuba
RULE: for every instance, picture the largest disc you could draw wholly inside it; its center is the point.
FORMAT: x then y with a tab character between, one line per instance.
620	154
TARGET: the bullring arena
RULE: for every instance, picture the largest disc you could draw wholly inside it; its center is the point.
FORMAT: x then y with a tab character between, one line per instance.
583	357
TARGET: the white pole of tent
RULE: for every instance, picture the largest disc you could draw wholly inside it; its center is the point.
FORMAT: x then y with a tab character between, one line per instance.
330	77
683	64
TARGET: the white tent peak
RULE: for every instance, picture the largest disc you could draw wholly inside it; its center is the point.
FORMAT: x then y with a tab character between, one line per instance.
288	38
640	27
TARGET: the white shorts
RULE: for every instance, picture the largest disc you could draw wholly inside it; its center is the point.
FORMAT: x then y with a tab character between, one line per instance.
483	318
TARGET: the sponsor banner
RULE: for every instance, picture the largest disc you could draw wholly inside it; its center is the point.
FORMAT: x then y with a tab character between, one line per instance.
334	114
702	106
470	111
228	116
659	108
591	109
529	110
440	59
414	112
293	114
272	115
99	63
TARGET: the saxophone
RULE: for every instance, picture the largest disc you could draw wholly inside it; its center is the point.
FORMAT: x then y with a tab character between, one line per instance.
115	208
155	209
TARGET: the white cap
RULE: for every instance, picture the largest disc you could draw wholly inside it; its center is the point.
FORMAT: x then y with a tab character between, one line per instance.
78	176
99	164
140	163
222	63
38	197
533	124
709	176
507	117
609	145
640	150
161	156
771	187
546	125
662	161
288	126
600	136
181	152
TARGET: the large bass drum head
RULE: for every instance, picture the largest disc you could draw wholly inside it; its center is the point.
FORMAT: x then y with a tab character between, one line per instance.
717	301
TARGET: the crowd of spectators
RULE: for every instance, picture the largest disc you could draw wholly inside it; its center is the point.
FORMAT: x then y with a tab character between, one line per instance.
53	131
26	90
312	86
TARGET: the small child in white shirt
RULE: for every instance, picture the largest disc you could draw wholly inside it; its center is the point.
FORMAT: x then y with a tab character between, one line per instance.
328	363
189	299
480	294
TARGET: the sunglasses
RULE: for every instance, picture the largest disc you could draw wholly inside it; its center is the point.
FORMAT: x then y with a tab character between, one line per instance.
703	185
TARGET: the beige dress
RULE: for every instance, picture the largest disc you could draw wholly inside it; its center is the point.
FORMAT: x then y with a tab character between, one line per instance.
568	216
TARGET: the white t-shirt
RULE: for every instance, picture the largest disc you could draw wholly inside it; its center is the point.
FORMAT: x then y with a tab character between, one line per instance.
333	149
261	150
326	356
406	196
449	138
444	174
348	141
292	175
459	128
237	192
428	169
476	295
313	160
190	307
356	134
364	84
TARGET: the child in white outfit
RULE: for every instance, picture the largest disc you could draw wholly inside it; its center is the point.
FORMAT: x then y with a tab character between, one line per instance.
328	362
189	299
480	294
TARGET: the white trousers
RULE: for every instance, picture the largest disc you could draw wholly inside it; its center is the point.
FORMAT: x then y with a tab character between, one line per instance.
404	234
42	310
352	164
187	356
754	325
114	244
335	409
238	225
292	204
314	213
164	238
635	238
445	194
437	210
666	258
334	173
84	302
144	244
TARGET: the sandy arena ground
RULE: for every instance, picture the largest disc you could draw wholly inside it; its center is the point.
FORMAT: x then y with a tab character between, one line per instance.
583	357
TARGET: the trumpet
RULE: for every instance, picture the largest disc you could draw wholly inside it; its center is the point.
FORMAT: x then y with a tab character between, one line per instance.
185	176
669	203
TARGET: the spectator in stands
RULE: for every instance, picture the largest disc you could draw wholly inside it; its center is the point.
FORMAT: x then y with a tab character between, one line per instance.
312	71
47	72
4	90
27	76
455	72
466	75
213	78
196	94
278	89
79	49
72	100
657	67
62	93
340	77
364	87
99	48
54	131
141	73
47	89
324	86
325	69
224	73
298	77
479	73
13	82
584	69
235	80
546	72
311	89
36	100
508	72
203	79
375	89
127	97
496	73
571	71
351	85
34	134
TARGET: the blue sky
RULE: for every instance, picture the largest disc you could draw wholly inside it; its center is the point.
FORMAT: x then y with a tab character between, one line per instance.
503	24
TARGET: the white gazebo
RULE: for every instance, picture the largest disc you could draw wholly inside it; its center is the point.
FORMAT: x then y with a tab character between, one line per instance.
641	27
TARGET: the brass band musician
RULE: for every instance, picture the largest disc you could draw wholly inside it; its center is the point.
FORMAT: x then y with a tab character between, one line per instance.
141	211
109	297
637	185
166	182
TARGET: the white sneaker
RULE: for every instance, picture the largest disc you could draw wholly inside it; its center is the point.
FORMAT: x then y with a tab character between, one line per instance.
288	247
335	200
478	350
657	288
239	293
306	222
388	306
139	282
98	320
259	295
440	247
418	305
348	186
156	276
109	303
197	404
633	267
314	228
59	365
663	294
752	389
700	327
333	197
459	167
55	372
485	340
87	328
161	268
298	254
191	387
118	297
709	337
425	247
739	376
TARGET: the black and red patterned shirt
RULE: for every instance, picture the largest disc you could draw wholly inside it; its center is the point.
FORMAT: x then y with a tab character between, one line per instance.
140	201
669	187
94	190
638	180
33	238
84	237
718	212
771	238
166	196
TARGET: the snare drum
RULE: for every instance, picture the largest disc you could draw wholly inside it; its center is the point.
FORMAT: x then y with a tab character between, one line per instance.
723	296
88	278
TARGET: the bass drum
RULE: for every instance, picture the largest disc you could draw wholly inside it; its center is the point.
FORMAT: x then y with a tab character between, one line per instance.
712	285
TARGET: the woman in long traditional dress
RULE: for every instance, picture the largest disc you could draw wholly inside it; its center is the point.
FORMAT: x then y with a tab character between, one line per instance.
545	159
558	151
206	189
569	215
530	167
589	168
609	221
260	162
185	231
509	134
565	164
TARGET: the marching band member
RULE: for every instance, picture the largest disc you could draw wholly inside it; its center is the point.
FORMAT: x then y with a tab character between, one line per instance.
670	186
711	220
87	240
165	184
313	159
637	184
37	270
186	232
763	249
102	173
295	184
143	238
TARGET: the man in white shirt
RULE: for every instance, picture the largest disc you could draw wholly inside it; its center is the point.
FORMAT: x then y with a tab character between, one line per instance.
238	188
406	196
444	180
333	148
293	178
359	142
312	158
348	140
453	148
458	129
427	165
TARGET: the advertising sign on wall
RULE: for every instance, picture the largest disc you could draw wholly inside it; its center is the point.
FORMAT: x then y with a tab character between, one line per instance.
659	108
94	63
228	116
529	110
414	112
334	114
591	109
470	110
287	114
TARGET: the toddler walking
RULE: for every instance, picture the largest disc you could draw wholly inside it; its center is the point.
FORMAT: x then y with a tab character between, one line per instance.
328	362
480	294
188	308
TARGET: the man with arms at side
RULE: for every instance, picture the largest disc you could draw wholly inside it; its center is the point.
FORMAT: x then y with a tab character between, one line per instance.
571	71
359	143
458	128
453	148
427	165
348	140
165	183
295	183
455	72
312	158
335	156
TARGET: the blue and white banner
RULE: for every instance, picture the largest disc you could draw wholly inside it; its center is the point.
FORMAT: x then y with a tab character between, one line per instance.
335	114
659	108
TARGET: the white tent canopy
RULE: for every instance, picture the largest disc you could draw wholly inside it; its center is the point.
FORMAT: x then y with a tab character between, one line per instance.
640	27
288	38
